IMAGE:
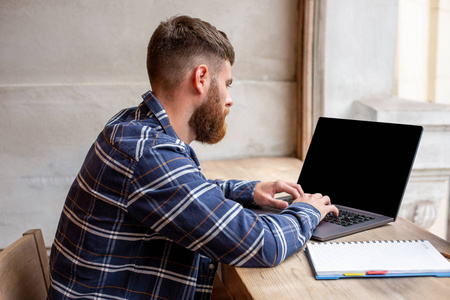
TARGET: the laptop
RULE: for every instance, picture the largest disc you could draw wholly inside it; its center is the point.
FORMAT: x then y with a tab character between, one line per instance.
364	167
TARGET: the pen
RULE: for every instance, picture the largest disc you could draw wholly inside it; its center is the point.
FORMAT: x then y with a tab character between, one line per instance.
354	274
445	255
378	272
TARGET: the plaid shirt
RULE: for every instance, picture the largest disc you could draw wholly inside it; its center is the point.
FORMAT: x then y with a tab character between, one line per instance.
141	221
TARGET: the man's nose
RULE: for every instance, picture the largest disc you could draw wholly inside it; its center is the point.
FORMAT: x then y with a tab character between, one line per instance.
229	101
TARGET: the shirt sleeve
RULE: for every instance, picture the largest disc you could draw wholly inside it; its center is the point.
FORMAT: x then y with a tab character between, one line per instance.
169	195
241	191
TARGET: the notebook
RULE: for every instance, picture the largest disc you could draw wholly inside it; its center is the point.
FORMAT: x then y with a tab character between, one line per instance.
376	259
363	166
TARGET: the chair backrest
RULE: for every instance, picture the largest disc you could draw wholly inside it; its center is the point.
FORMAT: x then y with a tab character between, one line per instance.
24	270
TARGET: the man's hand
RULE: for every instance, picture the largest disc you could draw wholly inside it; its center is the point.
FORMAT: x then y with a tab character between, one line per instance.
265	192
321	203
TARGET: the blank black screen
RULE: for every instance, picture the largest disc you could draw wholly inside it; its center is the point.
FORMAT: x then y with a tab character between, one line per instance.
361	164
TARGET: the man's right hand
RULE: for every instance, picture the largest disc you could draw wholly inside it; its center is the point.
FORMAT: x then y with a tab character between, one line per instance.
320	202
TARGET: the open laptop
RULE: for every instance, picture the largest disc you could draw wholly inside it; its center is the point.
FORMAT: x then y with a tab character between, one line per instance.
363	167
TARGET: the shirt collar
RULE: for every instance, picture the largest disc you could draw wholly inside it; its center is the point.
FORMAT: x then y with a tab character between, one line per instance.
160	113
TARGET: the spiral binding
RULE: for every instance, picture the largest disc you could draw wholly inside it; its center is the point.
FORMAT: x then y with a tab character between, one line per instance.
367	242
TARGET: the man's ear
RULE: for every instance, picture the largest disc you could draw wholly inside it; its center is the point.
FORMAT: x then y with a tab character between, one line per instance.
201	77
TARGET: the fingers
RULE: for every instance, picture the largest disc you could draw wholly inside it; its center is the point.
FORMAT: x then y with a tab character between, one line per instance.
280	204
293	189
277	203
320	202
327	203
325	199
334	210
265	191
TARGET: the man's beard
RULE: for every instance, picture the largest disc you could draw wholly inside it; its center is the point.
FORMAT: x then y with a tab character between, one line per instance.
208	120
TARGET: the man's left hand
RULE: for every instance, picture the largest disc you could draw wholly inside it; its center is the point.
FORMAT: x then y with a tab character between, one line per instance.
265	193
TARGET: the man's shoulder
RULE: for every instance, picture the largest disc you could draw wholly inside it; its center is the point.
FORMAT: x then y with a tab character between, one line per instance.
134	137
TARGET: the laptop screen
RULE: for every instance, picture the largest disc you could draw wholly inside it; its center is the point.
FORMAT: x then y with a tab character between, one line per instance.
361	164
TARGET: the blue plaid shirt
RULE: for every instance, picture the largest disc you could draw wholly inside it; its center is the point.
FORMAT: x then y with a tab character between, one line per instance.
141	221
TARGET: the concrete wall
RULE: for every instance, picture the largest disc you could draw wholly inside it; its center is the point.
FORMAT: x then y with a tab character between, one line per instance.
67	66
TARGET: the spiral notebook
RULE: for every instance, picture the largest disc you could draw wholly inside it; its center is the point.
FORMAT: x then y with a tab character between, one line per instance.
376	259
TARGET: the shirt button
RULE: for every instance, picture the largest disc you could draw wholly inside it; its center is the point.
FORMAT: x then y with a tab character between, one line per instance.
211	266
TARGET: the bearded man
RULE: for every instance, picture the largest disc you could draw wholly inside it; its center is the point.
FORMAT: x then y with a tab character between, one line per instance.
140	220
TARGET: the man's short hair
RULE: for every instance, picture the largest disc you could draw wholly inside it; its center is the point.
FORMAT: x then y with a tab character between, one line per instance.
181	44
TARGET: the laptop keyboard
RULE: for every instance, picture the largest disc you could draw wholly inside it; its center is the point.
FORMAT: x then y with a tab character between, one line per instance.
346	218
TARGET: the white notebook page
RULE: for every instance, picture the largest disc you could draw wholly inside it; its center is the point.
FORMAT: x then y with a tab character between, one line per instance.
392	256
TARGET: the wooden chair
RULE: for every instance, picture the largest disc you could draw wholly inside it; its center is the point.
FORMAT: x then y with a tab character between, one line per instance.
24	270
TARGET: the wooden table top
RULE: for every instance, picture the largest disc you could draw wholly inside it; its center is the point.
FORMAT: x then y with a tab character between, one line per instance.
294	278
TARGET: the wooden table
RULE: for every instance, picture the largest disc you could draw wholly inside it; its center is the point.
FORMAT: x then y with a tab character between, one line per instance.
294	279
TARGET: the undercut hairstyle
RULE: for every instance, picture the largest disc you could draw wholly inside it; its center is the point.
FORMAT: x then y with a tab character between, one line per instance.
181	44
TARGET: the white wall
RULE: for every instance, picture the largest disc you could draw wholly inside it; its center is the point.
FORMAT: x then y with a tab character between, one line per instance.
67	66
423	47
442	72
360	41
384	48
412	50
